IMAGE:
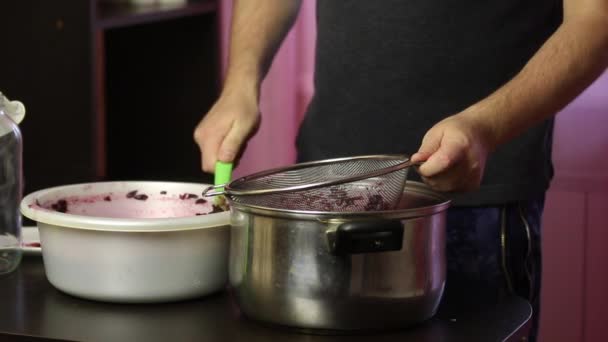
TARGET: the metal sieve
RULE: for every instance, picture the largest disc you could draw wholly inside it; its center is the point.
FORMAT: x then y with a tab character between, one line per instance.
362	183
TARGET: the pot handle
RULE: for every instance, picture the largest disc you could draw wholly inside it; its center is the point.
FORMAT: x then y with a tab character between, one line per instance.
366	237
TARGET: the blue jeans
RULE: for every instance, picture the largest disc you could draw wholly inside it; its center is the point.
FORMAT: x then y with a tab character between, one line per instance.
496	251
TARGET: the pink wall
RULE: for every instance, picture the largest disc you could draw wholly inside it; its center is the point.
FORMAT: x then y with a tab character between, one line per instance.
575	290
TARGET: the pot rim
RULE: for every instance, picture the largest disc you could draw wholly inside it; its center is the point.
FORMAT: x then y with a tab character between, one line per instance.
411	186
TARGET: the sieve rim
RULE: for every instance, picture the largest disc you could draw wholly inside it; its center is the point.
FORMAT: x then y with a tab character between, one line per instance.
405	163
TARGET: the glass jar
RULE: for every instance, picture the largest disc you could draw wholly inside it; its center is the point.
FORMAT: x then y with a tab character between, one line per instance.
11	184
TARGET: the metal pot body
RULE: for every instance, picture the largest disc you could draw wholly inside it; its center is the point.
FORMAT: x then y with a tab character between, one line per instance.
337	271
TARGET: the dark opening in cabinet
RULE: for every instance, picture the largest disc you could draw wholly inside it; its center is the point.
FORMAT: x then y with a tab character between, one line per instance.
112	92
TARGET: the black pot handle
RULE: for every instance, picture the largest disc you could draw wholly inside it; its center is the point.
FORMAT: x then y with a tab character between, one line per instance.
366	237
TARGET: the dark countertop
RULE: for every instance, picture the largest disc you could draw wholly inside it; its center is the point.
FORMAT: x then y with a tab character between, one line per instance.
31	307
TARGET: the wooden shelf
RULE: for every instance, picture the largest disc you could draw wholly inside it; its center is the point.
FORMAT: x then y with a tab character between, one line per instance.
114	15
105	66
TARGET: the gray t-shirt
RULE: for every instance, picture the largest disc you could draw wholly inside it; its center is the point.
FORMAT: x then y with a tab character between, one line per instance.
388	70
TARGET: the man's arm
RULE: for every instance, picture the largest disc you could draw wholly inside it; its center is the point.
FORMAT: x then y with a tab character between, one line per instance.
258	28
565	65
569	61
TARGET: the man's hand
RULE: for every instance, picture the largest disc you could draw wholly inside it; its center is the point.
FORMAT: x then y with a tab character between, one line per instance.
455	152
224	131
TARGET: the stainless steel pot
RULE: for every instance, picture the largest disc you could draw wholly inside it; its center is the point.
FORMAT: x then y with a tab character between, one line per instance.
341	271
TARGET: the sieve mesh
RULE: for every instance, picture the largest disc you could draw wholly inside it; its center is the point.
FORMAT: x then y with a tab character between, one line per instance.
364	183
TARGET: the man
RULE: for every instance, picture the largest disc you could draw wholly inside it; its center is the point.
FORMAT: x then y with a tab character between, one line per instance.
470	86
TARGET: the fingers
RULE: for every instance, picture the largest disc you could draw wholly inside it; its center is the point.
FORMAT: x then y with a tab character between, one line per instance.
434	165
428	152
430	143
449	153
450	168
209	141
456	179
223	133
420	156
233	142
443	155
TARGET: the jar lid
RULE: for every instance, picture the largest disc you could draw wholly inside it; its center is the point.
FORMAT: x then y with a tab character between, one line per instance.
14	109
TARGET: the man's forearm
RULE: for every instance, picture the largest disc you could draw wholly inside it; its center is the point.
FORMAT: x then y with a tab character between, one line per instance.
571	59
258	28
